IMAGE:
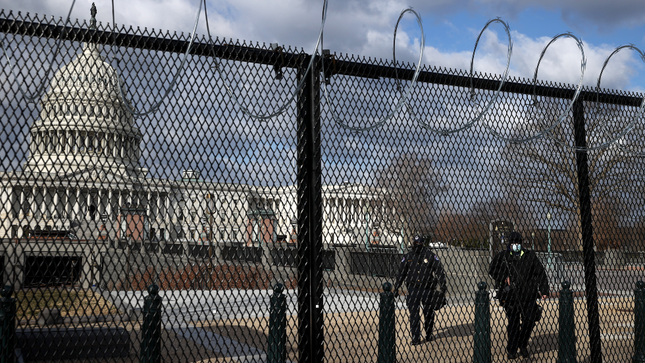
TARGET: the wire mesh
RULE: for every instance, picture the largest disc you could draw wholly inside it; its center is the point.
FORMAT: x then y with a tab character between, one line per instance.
216	207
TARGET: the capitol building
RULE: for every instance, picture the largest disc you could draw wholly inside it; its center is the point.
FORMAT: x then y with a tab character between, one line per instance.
83	173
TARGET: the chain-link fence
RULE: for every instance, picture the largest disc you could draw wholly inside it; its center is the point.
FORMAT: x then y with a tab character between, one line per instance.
133	158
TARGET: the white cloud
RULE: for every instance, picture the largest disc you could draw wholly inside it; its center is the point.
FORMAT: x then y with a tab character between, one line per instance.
366	28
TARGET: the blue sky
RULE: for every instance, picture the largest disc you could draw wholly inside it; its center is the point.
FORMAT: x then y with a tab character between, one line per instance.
366	28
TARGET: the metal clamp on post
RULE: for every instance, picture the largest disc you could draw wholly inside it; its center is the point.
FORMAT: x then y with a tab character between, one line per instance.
7	325
277	352
387	326
567	334
151	327
277	66
481	339
639	323
329	71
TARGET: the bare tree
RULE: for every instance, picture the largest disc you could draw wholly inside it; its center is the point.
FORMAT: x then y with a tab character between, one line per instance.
543	175
412	186
471	228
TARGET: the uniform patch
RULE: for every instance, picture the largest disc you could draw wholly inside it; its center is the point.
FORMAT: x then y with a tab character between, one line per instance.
436	257
403	260
425	260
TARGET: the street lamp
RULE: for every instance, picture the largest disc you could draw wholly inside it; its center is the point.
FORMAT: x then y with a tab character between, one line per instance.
548	218
533	241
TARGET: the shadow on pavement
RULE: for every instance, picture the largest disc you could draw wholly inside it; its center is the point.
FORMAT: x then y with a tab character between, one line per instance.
461	330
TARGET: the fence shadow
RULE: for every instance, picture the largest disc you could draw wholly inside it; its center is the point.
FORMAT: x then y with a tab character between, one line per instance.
461	330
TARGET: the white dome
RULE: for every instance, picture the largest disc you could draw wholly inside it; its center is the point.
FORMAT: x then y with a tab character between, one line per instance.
83	120
85	91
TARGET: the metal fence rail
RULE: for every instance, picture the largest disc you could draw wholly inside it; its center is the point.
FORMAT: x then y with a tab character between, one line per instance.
216	207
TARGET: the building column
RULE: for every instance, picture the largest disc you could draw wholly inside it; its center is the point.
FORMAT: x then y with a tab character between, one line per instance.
100	206
43	206
166	207
148	202
55	209
21	200
77	204
113	151
68	205
33	202
157	213
88	202
108	207
123	148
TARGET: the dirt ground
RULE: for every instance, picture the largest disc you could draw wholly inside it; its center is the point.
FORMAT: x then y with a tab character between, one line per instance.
353	337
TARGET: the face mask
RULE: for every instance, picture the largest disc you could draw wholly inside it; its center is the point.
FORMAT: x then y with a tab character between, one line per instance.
516	247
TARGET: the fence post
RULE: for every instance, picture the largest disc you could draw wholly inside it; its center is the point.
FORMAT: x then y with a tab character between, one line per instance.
8	325
639	323
386	327
481	339
311	329
151	329
277	326
567	335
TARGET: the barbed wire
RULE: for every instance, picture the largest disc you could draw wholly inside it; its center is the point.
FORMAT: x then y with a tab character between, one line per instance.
405	95
639	113
155	106
43	85
284	106
481	111
535	102
620	135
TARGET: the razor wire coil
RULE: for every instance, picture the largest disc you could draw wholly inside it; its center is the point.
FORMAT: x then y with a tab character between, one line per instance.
40	90
405	96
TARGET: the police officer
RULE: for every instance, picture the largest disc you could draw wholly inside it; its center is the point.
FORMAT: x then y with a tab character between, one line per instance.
520	279
422	272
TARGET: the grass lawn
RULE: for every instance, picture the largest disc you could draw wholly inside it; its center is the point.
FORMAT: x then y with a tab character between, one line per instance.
70	302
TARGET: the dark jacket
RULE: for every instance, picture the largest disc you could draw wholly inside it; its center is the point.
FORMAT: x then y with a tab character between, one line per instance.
421	270
527	275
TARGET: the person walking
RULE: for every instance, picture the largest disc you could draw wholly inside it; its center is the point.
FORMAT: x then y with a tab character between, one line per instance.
520	279
422	272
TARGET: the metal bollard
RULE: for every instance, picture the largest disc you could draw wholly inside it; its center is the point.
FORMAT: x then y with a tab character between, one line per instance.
7	325
639	323
567	335
481	339
386	327
277	326
151	328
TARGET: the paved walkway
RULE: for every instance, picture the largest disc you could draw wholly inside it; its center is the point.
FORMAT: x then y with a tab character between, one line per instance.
185	306
232	325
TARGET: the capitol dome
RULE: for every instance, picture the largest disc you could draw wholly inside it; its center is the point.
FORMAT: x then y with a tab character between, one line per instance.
84	122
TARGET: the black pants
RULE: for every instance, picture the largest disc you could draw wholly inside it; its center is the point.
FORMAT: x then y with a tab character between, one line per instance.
521	321
415	300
